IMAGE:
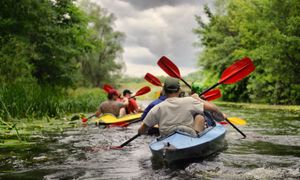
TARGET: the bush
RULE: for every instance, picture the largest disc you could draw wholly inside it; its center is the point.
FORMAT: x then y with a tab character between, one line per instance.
31	100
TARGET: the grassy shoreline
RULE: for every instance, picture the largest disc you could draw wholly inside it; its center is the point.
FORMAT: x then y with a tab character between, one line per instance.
293	108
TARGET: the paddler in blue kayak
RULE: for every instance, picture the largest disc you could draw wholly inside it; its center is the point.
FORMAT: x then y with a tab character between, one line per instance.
183	114
160	99
113	106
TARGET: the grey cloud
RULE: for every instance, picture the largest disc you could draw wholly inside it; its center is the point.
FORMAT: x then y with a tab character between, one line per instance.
155	28
147	4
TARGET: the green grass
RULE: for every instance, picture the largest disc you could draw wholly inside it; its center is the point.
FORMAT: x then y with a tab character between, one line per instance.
293	108
31	100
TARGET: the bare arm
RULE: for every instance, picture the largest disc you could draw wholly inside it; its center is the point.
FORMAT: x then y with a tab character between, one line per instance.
143	129
216	113
98	112
208	106
125	102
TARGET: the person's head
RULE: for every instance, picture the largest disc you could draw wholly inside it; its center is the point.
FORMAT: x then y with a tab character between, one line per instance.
196	87
127	93
171	86
112	94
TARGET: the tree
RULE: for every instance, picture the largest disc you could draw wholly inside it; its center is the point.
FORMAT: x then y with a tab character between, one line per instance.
43	39
268	32
101	65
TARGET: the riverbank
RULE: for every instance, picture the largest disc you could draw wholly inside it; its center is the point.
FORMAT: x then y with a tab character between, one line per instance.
291	108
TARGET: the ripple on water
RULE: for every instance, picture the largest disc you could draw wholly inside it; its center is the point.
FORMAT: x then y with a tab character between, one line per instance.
235	166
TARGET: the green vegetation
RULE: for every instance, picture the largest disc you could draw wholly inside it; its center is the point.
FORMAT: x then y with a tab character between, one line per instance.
267	32
33	101
50	46
100	66
286	108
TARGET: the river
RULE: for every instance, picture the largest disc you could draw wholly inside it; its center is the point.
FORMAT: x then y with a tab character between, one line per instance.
270	151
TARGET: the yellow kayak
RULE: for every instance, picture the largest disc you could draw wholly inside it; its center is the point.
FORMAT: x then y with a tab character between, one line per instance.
112	119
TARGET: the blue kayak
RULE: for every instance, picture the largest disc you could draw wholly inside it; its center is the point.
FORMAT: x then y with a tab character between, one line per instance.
180	146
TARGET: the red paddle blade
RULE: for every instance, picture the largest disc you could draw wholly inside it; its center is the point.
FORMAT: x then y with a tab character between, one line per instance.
237	71
142	91
152	79
212	95
116	147
107	87
84	120
118	124
223	122
169	67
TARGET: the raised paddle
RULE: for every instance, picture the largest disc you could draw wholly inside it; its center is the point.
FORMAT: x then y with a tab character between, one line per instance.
170	68
152	79
232	74
107	87
212	95
142	91
209	96
125	143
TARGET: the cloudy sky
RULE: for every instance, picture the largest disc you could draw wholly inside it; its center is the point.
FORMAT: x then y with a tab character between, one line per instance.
155	28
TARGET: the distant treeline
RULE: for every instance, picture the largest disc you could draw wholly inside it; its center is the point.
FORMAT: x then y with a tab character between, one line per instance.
268	32
57	43
52	45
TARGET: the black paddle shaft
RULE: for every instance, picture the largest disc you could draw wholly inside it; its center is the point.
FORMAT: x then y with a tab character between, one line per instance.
186	83
215	85
128	141
244	135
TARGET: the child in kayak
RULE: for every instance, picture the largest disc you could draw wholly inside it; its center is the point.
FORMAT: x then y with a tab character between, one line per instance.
184	114
113	106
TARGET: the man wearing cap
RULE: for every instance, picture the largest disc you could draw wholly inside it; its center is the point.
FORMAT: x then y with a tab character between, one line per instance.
113	106
184	114
132	104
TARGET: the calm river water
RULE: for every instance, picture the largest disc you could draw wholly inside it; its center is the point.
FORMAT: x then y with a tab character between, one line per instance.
270	151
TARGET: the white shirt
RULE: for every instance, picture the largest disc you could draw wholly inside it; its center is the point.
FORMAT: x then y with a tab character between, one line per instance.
174	114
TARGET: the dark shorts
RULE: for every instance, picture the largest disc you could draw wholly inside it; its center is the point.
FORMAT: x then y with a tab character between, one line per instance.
209	121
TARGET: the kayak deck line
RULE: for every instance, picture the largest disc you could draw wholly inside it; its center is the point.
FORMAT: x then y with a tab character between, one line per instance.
107	119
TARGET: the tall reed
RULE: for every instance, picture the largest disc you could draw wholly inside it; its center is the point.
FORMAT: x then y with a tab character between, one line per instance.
32	100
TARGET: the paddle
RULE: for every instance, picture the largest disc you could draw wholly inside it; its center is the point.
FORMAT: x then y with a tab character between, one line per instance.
125	143
232	74
142	91
170	68
212	95
209	96
83	119
235	120
107	87
152	79
124	124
